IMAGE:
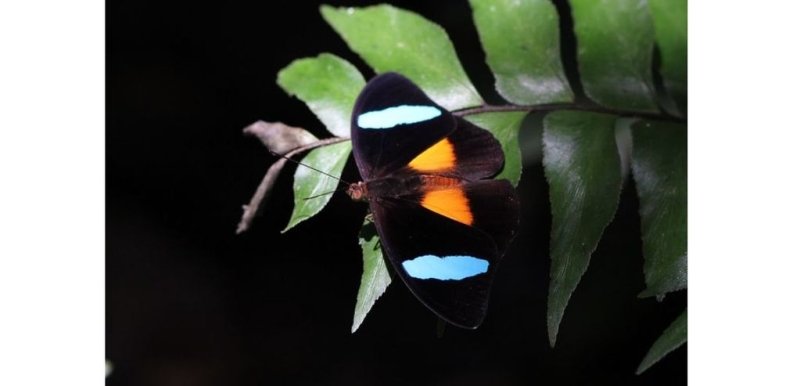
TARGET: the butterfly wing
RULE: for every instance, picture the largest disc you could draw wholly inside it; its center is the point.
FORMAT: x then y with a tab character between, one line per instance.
396	126
393	121
446	244
468	153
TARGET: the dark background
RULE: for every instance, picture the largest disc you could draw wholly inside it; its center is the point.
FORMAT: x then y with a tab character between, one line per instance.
191	303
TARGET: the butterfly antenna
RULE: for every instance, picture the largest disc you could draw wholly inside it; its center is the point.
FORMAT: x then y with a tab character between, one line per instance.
341	181
323	194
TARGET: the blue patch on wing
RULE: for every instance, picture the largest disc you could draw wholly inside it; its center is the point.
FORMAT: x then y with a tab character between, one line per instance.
397	115
445	268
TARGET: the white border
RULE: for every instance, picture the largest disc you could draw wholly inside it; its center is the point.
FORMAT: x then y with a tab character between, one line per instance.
743	193
52	291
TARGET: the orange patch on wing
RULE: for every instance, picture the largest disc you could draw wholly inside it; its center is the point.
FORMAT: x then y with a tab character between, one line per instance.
440	156
451	203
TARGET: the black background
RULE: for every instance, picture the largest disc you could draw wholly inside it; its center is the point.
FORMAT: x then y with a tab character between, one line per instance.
191	303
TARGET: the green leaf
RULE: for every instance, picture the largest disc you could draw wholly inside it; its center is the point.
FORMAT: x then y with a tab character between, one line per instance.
505	127
521	40
659	169
393	39
669	20
375	278
582	167
673	337
329	86
615	49
311	187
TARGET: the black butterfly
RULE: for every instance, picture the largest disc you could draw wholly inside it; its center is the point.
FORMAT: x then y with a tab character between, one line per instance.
443	223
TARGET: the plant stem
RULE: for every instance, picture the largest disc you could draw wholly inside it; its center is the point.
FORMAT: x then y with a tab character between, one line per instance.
269	179
568	106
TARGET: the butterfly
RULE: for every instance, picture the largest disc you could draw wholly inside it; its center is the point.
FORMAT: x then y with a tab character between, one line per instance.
444	224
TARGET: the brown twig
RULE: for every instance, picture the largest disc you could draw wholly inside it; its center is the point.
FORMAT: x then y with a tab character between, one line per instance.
263	190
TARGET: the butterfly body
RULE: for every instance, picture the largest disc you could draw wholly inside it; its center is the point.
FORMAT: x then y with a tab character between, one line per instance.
443	223
399	187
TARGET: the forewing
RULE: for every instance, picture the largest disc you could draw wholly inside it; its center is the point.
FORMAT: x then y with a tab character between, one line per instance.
393	121
469	153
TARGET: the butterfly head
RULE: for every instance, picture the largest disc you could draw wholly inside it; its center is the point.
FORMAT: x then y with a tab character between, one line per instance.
357	191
